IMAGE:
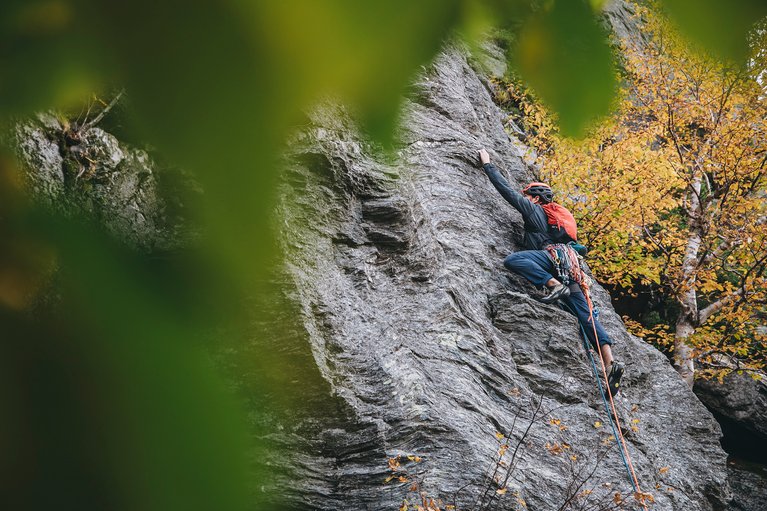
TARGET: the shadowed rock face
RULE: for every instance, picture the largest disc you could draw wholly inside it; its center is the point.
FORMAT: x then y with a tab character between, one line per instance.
739	397
429	347
749	489
740	403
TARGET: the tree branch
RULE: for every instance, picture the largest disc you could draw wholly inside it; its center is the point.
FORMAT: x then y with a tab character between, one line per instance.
90	124
655	242
718	251
715	307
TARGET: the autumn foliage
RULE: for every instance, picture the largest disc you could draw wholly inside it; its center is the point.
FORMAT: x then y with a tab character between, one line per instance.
671	197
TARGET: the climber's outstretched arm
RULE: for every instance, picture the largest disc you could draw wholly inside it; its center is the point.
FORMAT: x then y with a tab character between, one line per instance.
516	199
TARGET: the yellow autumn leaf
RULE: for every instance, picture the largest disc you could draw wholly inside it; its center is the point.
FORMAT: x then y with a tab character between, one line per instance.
632	181
644	497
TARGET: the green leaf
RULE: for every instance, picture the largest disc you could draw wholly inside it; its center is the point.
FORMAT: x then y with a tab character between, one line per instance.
564	55
721	27
46	58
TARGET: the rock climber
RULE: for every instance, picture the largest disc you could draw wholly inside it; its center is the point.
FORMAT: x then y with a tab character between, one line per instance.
536	264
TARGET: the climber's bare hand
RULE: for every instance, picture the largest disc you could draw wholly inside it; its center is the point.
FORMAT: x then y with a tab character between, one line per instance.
484	157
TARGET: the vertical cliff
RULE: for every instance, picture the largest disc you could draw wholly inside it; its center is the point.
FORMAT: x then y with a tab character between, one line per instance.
429	348
414	354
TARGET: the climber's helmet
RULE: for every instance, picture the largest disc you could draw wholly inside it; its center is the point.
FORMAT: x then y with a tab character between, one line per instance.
540	190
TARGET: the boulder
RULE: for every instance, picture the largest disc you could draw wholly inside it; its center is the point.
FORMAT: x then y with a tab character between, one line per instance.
89	173
740	397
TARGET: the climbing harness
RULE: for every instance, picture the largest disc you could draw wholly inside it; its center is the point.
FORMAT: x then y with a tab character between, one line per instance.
567	263
606	394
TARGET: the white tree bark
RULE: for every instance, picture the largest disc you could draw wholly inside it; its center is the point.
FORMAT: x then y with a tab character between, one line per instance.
684	360
688	297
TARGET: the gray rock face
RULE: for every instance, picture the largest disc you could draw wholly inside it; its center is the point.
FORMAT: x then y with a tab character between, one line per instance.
622	20
749	489
96	175
430	348
741	401
739	397
40	154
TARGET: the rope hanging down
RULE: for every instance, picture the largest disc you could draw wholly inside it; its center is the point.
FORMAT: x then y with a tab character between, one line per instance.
612	414
603	393
612	403
568	266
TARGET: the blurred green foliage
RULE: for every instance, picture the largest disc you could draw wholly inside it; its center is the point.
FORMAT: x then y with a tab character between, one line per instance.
721	27
562	53
109	401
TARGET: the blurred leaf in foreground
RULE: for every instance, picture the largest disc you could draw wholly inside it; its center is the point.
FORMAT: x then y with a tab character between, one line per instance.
46	59
564	55
721	27
108	399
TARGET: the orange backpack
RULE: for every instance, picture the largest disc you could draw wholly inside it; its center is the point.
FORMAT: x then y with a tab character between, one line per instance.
562	226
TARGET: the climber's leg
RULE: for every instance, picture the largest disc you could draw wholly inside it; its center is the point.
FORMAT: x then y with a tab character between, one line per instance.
534	265
606	352
577	302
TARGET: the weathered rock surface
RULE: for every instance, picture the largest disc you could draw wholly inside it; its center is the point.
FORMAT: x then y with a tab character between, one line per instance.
429	348
400	331
740	403
748	488
92	174
622	20
738	397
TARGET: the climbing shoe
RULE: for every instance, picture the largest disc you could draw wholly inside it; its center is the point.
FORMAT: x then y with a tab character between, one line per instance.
614	378
557	292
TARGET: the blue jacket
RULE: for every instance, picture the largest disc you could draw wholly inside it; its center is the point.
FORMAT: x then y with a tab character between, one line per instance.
536	221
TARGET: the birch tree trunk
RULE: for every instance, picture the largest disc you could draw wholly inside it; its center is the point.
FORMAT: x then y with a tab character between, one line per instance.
688	297
684	360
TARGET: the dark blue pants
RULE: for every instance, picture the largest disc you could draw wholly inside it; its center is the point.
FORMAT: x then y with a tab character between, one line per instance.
535	266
